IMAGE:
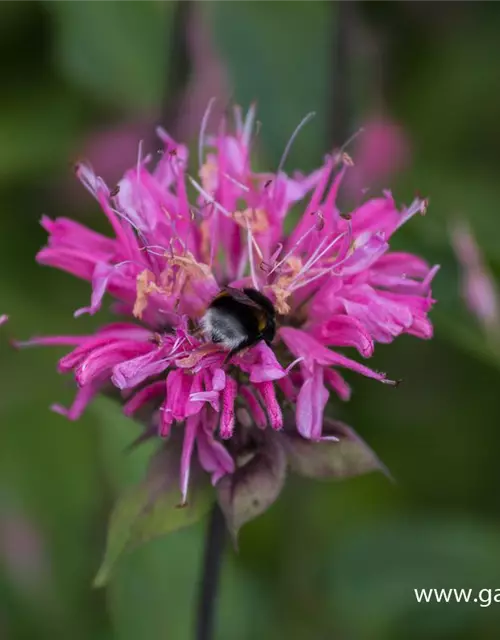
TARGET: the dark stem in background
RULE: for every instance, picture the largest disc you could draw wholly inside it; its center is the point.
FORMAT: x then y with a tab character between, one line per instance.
343	13
179	70
214	547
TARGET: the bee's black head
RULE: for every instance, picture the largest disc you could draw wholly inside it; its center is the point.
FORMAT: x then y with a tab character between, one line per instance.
269	313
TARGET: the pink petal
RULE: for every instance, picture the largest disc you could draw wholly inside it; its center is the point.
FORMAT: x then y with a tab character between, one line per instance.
100	278
100	361
213	456
254	406
132	372
311	403
83	397
344	331
301	344
338	384
227	417
190	430
268	394
143	396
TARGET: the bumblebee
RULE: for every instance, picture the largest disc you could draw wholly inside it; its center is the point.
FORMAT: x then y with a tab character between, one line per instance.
238	319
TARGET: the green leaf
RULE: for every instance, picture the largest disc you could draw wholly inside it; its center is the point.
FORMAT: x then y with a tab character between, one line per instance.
255	485
116	50
151	509
347	457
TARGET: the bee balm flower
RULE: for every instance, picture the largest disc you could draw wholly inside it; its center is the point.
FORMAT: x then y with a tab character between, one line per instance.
176	241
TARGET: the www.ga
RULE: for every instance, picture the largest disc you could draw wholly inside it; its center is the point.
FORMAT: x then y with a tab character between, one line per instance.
484	597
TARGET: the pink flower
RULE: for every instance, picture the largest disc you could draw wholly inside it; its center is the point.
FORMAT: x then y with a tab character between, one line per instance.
381	151
333	281
478	287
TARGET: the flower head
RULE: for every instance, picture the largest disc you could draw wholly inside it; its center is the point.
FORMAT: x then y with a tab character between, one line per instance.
177	240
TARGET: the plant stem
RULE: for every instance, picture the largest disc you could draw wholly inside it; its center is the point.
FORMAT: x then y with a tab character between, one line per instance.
214	546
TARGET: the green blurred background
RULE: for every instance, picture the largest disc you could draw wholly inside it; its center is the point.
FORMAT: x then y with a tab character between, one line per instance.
329	560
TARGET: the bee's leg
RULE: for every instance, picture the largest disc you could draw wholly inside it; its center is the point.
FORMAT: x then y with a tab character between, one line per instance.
235	350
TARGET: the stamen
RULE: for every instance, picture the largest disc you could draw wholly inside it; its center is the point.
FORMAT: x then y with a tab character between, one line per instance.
419	205
247	128
293	249
318	254
139	160
204	122
209	199
351	139
250	255
266	266
294	285
213	236
292	364
301	124
154	246
234	181
257	248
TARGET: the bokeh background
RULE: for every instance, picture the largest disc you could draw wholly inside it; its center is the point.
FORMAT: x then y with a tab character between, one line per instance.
329	560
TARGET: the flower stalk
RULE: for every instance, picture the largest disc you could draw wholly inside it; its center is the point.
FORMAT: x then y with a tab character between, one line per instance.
210	577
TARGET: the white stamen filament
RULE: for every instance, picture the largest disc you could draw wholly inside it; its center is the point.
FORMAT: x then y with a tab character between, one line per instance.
304	283
320	274
209	198
213	247
317	255
303	122
247	128
309	263
292	364
250	255
417	206
349	140
154	246
204	122
292	250
234	181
